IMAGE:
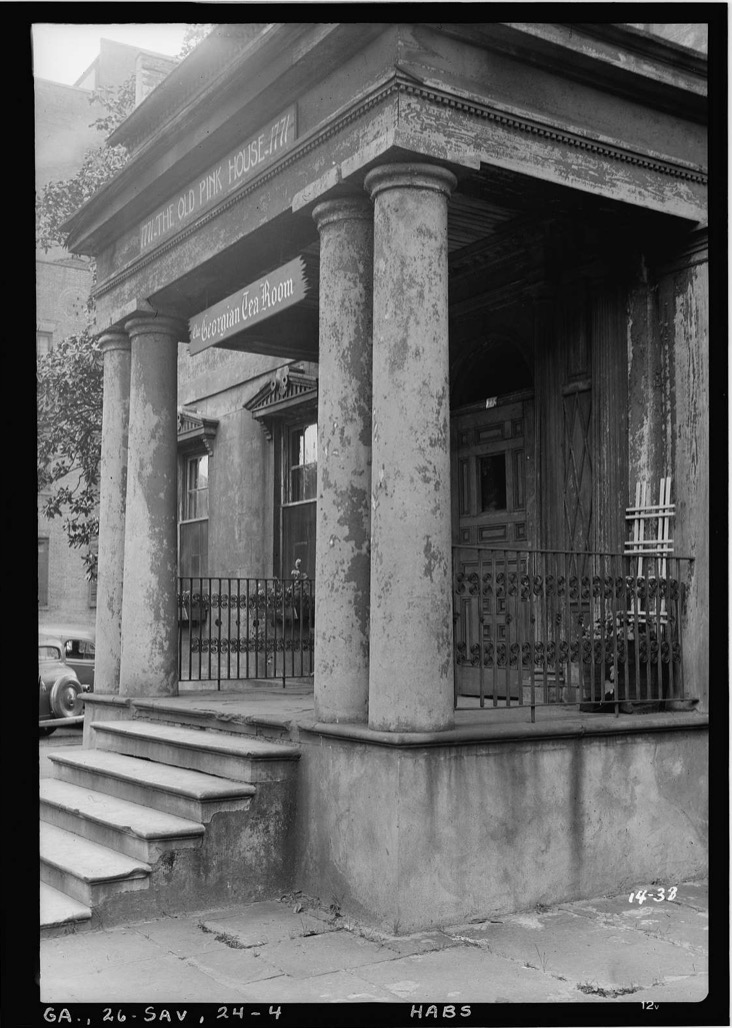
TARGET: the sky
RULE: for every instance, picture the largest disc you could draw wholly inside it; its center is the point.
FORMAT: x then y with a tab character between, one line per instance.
62	52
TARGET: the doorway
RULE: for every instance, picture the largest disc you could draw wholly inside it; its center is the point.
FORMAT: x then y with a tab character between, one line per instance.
494	489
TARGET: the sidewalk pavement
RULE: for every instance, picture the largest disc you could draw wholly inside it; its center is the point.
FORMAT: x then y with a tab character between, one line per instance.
292	951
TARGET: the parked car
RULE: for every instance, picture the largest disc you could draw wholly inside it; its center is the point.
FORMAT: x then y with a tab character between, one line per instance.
59	685
78	649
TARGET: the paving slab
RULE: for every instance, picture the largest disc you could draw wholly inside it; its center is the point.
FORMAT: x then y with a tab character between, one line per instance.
95	952
319	954
467	975
180	935
673	990
693	894
407	945
679	923
336	987
265	922
166	979
265	952
234	966
580	949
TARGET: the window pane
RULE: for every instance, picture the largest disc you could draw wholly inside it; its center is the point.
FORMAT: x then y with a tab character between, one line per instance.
310	445
303	452
194	549
493	482
44	343
298	539
195	497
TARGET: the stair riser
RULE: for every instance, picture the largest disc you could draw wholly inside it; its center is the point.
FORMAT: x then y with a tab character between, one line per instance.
92	893
267	733
70	928
238	769
146	850
141	792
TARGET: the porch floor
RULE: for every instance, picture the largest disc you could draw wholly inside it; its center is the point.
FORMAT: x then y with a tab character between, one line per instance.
266	702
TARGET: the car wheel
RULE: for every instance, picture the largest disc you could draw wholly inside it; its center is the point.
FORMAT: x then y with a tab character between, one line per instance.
46	731
65	698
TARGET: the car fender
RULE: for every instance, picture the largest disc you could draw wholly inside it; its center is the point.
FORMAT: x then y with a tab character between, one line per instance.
57	691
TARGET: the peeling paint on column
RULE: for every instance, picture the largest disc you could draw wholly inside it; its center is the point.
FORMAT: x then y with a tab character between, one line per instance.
411	610
344	418
113	487
149	663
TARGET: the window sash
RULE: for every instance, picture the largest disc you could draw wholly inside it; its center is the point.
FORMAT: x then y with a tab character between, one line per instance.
195	494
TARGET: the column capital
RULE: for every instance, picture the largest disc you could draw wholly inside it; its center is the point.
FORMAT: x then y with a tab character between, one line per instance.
113	339
410	176
156	324
345	208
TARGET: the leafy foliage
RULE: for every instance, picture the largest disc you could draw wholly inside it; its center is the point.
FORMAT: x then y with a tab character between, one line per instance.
69	381
70	377
57	201
192	36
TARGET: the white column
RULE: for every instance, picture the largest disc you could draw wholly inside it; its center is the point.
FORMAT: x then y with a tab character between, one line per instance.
149	662
342	574
115	345
411	659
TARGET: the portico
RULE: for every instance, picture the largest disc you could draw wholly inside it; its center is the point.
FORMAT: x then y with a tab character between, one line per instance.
445	235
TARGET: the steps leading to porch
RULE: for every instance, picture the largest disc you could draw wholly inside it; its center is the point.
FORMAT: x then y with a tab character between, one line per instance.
162	818
241	758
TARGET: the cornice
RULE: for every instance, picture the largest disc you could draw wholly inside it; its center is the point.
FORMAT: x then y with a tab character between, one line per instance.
523	123
403	84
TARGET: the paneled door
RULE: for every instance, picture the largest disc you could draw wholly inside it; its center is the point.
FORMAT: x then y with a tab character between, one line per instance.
493	516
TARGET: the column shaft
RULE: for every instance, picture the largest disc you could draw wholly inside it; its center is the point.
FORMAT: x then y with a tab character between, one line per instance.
149	663
115	346
411	684
344	461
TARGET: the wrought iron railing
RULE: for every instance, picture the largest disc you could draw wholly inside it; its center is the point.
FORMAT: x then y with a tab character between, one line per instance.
238	628
555	627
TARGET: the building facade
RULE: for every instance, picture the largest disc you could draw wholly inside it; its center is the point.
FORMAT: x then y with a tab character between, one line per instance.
64	132
420	306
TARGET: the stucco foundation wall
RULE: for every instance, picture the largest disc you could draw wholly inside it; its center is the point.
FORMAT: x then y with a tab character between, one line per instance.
412	838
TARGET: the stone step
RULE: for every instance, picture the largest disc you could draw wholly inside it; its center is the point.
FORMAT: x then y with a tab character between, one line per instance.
175	790
263	726
237	757
86	871
60	914
144	833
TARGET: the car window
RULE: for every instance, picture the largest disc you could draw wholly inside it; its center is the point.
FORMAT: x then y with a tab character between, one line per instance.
49	653
79	649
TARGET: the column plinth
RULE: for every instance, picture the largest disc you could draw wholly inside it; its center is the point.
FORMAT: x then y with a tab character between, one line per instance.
149	658
342	576
411	685
115	345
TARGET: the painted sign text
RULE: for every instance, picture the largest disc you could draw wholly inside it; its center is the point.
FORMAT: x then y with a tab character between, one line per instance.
203	194
248	306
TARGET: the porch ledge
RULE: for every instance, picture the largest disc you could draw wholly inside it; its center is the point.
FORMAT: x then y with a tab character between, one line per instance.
591	725
106	699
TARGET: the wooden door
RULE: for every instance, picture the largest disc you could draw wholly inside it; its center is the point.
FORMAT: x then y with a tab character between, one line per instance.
493	515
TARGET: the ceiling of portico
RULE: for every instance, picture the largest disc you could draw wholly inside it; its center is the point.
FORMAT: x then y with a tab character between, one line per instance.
498	222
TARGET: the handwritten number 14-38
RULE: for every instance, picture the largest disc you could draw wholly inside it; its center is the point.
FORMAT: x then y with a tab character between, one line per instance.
643	894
